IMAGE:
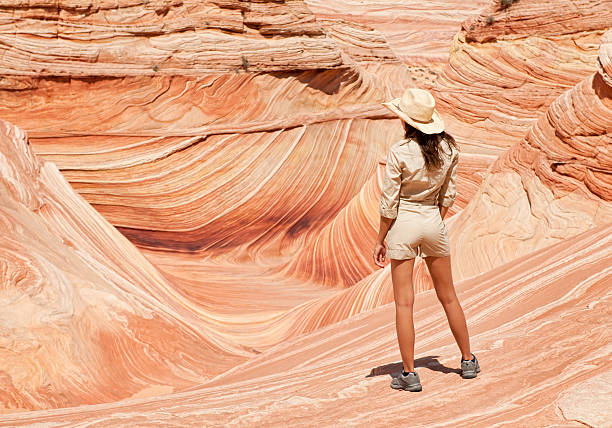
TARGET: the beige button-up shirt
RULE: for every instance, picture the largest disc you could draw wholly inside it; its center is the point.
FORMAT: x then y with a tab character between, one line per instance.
407	178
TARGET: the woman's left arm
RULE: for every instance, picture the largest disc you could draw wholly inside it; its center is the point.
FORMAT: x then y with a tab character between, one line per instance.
380	251
385	223
389	202
392	183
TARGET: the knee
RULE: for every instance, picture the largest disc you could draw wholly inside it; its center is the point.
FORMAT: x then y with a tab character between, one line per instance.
448	299
405	302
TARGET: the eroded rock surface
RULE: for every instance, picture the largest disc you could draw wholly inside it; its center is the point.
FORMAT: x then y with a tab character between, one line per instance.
239	147
85	317
554	183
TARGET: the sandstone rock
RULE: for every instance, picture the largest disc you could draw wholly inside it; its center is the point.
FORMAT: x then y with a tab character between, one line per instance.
166	37
554	183
418	33
604	59
588	402
550	296
513	19
85	317
239	145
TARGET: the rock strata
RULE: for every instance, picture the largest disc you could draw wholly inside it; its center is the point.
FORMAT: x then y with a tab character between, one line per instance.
554	183
192	219
166	37
85	317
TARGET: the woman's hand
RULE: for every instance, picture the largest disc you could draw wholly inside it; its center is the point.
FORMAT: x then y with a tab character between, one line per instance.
443	211
380	253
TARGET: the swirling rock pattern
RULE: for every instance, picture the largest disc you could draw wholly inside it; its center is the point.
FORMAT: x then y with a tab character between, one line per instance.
554	183
240	146
85	318
556	296
158	174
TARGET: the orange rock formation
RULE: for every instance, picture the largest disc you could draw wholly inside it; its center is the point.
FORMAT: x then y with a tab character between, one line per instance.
188	200
554	183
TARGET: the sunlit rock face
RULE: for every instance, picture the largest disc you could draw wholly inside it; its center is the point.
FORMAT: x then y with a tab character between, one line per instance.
232	161
85	317
190	225
46	37
508	64
146	150
554	183
557	295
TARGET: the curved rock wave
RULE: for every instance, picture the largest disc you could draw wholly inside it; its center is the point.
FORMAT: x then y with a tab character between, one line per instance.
558	294
555	183
85	317
248	178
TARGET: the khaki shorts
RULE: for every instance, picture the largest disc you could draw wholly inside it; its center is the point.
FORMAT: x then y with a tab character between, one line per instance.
419	230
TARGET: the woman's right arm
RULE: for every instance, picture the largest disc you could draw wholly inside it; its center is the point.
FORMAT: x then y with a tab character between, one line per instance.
448	191
443	211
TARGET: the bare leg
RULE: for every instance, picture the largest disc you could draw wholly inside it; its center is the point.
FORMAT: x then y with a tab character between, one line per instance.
440	271
403	292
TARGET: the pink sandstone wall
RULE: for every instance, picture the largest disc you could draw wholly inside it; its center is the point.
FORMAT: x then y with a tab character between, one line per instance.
189	198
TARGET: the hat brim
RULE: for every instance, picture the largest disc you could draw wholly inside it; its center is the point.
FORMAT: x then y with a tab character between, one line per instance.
434	126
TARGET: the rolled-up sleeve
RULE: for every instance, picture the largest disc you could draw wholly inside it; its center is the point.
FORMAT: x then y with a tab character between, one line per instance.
392	182
448	191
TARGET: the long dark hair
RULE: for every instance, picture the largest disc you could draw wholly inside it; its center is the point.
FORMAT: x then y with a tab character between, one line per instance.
430	144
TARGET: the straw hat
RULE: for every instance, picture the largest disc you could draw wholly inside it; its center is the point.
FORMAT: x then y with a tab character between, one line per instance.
417	107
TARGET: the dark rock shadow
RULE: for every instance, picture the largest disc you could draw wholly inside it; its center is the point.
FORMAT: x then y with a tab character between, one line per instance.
327	81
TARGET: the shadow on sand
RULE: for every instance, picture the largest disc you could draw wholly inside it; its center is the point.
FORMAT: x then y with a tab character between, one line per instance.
429	362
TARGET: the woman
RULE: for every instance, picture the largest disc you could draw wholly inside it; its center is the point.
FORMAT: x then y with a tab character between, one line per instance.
418	189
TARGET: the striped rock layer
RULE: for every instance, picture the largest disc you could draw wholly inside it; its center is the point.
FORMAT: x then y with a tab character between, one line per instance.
554	183
189	204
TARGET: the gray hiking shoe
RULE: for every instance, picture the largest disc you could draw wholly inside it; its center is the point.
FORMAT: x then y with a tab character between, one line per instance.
469	368
410	382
